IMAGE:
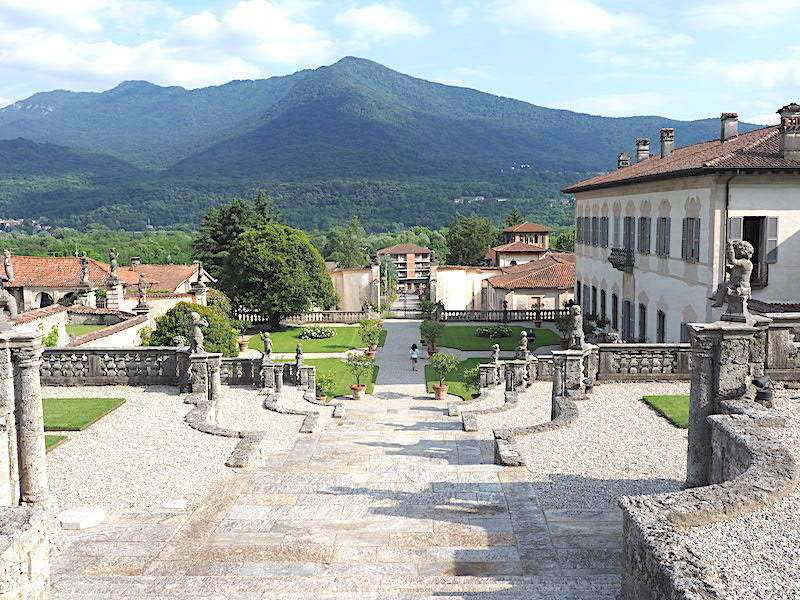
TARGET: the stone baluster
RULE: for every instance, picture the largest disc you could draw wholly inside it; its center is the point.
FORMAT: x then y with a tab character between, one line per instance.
26	357
278	372
215	381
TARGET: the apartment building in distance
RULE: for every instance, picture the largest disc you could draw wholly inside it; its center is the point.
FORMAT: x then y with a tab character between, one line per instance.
413	264
522	243
651	236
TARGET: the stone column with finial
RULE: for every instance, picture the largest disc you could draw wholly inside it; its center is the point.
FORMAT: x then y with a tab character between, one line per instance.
197	288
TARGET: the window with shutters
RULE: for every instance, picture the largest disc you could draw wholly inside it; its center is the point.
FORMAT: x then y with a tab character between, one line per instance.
614	311
616	232
684	333
586	297
663	227
644	235
594	301
628	233
603	312
661	326
643	323
578	291
690	239
627	321
577	230
604	232
595	231
762	233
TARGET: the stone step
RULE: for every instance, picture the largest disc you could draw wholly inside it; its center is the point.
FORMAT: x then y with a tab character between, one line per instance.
91	587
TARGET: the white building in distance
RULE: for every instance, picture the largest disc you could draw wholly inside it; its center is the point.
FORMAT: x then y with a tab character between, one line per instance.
651	236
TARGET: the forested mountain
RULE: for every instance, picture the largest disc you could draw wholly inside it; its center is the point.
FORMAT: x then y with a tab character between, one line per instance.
351	138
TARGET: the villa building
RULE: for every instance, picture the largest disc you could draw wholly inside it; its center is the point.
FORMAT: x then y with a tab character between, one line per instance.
651	236
413	264
522	243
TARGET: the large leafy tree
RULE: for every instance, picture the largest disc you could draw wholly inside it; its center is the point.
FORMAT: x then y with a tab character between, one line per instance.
223	224
469	239
565	241
220	336
347	245
513	217
273	269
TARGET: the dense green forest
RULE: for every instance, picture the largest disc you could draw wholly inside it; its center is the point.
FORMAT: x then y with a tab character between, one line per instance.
352	138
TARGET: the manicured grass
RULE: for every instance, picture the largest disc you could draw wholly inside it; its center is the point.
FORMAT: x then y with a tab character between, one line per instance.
53	441
455	380
344	339
344	378
462	337
382	341
79	330
674	408
76	414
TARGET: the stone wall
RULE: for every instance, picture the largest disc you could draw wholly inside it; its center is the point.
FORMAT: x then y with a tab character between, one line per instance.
25	545
750	470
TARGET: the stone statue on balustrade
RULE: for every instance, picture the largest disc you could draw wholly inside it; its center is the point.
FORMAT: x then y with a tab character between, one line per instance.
198	323
735	291
266	339
496	354
298	355
84	269
522	349
577	339
5	296
142	285
113	261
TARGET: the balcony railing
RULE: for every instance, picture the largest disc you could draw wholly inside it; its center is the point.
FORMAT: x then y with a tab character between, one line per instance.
622	259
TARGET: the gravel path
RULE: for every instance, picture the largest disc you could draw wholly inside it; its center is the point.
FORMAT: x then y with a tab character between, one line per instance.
533	407
618	446
143	454
757	555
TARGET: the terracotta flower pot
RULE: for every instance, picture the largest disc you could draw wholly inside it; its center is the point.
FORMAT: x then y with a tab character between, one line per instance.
243	345
322	398
439	391
357	390
370	353
373	347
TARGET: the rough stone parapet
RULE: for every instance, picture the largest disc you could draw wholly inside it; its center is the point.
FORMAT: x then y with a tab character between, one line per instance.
469	421
643	362
751	471
26	534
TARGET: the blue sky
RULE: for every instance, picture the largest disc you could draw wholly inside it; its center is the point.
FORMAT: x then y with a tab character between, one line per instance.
674	58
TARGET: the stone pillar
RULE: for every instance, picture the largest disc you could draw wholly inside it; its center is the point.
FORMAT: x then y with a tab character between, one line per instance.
199	290
182	358
215	382
141	309
26	352
278	372
86	295
198	374
267	373
114	293
569	371
9	475
725	356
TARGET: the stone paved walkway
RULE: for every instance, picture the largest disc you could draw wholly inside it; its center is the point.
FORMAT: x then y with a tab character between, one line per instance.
394	501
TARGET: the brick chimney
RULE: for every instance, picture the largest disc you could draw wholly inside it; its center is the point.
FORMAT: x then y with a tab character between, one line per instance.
623	160
667	141
790	131
642	149
135	261
728	126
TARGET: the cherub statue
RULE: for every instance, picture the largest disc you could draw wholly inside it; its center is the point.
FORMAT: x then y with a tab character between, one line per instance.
198	323
8	266
577	340
522	349
266	339
298	354
84	269
496	353
113	262
5	296
735	290
143	285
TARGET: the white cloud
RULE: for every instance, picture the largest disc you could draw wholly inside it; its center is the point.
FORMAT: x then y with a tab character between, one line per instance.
378	22
767	119
583	18
764	73
5	102
624	105
202	49
741	13
464	76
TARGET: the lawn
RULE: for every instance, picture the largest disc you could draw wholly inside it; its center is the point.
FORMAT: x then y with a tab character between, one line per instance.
674	408
53	441
76	414
344	378
455	380
462	337
79	330
344	339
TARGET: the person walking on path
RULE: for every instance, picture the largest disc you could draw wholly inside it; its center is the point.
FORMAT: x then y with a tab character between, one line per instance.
414	357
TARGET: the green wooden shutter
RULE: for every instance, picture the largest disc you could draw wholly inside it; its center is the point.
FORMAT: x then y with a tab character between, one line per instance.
772	240
684	239
735	228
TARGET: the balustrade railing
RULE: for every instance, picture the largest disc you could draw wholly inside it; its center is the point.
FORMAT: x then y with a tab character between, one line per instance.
501	315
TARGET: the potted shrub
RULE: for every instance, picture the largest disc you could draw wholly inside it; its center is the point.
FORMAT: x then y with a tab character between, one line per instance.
242	325
370	333
359	365
326	384
442	363
564	326
431	334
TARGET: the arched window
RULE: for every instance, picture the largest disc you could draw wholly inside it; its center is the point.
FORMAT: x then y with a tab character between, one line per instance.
42	299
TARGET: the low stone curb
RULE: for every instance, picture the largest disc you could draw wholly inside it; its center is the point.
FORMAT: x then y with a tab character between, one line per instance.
338	407
311	416
511	399
506	452
469	421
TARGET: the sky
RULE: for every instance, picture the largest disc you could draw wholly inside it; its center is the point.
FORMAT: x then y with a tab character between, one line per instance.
676	58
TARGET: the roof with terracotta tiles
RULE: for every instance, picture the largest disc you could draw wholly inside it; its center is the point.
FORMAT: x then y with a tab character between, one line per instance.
516	248
107	331
39	313
527	227
164	277
405	249
754	150
554	271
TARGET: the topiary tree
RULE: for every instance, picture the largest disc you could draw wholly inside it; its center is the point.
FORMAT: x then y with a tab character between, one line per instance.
219	336
219	303
441	364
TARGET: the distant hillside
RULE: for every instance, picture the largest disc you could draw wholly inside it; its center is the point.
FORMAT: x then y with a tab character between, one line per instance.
353	137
